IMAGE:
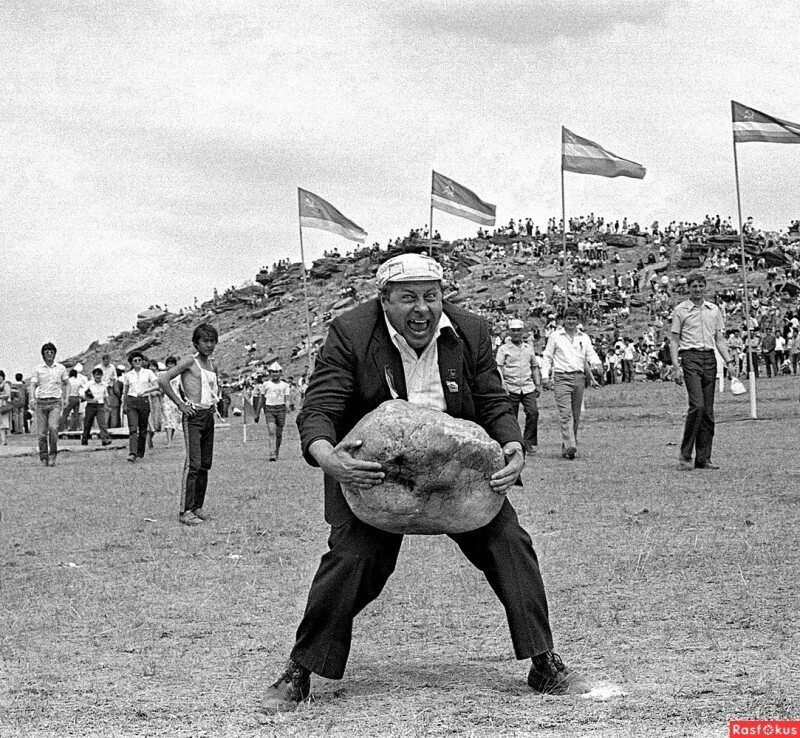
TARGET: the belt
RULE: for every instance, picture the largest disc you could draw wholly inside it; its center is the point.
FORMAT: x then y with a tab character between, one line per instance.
698	350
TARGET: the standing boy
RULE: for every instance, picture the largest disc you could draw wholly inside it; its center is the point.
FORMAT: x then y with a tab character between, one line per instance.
200	385
95	393
48	388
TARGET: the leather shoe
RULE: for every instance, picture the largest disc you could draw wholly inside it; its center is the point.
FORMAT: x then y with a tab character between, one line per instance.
685	464
548	675
706	465
570	452
292	688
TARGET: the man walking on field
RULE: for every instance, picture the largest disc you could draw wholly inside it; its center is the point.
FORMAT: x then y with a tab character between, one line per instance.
697	329
570	355
522	380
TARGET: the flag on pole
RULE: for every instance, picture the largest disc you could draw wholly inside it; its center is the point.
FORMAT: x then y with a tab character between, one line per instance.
317	213
582	156
752	125
451	197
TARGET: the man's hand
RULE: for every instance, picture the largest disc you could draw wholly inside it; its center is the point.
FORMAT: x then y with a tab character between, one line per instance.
502	480
677	374
188	409
733	369
546	383
339	463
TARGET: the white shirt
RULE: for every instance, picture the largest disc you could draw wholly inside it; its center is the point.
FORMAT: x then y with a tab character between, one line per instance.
275	393
423	382
98	390
565	354
140	383
49	380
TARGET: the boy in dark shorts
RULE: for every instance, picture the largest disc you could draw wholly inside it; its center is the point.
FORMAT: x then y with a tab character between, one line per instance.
197	401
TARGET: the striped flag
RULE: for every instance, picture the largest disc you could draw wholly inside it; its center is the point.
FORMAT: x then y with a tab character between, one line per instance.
752	125
317	213
582	156
451	197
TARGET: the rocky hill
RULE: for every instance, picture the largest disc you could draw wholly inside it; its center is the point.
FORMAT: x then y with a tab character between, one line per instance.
266	320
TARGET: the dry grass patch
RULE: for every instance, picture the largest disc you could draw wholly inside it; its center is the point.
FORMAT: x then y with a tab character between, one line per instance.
677	588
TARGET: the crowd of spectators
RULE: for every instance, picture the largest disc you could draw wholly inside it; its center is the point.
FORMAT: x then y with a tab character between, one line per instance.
625	305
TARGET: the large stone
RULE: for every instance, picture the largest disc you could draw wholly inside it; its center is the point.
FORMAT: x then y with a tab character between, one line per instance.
437	471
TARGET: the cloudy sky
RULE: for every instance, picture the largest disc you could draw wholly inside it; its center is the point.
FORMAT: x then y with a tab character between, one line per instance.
151	150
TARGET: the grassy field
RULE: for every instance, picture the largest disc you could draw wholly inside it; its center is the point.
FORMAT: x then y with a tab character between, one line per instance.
674	591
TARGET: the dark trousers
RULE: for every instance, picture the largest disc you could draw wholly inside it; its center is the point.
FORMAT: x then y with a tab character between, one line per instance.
94	410
138	412
700	378
198	435
362	558
276	415
627	370
752	356
530	436
71	414
770	363
114	420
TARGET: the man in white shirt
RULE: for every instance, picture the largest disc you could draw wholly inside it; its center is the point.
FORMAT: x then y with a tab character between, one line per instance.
570	355
519	369
48	389
276	394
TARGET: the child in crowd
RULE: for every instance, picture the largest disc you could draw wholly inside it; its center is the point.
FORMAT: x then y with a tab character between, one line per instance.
95	393
200	387
172	416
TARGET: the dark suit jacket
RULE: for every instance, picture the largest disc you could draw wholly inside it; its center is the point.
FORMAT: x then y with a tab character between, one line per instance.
358	360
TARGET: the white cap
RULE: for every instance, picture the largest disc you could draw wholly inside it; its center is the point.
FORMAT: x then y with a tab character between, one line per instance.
274	367
515	323
78	367
409	268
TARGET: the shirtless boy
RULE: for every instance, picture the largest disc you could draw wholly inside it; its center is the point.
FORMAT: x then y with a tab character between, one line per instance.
197	402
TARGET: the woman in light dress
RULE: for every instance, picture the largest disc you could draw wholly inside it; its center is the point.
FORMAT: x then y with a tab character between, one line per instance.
170	414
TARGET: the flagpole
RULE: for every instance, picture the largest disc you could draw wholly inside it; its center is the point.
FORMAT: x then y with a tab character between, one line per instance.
305	283
745	294
564	235
430	222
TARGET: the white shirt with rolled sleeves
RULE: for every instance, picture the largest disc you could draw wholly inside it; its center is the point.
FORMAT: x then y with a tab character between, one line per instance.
565	354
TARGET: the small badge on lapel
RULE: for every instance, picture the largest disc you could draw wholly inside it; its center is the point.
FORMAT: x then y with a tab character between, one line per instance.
452	386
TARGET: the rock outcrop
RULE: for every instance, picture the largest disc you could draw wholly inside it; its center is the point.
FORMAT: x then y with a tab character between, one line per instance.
437	471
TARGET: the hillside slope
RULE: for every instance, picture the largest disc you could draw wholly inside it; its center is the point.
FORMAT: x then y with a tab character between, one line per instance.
271	314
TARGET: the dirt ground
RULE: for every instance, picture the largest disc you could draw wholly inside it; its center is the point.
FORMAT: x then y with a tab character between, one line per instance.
674	592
